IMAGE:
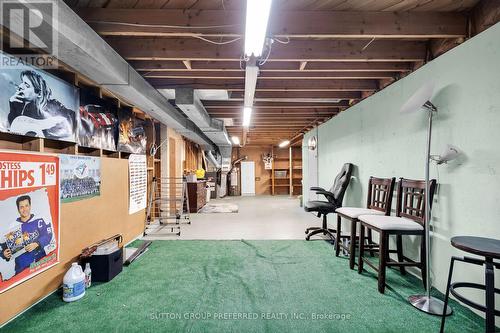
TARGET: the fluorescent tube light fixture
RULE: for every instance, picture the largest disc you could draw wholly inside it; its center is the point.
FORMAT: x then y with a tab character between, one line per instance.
256	26
284	143
247	115
236	140
251	73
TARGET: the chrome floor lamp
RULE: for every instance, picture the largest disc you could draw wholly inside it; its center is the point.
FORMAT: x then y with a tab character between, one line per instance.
421	101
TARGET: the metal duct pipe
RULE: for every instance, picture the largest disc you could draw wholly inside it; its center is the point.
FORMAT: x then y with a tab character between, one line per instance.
188	101
236	162
212	159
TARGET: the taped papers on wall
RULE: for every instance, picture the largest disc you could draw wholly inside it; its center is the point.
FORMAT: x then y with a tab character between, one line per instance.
138	186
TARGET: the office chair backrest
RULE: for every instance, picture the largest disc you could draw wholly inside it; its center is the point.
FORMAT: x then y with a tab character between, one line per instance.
411	199
380	192
340	184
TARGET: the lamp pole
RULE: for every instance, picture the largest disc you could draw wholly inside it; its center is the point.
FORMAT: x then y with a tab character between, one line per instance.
427	303
428	208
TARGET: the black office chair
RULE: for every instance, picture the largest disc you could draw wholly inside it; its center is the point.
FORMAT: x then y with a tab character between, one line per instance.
335	197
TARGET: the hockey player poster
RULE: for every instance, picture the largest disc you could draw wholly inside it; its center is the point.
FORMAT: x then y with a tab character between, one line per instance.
29	206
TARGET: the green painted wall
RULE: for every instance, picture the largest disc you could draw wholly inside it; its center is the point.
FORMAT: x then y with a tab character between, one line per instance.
381	142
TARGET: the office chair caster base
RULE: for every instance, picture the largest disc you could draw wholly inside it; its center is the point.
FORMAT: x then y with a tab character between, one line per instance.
317	231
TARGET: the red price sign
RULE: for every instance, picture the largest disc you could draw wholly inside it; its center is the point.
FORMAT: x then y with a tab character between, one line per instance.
47	169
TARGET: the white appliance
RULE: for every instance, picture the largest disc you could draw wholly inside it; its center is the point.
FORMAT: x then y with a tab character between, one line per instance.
248	178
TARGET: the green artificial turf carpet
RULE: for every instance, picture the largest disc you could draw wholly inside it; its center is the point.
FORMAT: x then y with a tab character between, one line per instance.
242	286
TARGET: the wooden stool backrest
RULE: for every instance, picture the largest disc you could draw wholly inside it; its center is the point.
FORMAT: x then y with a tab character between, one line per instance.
411	199
380	191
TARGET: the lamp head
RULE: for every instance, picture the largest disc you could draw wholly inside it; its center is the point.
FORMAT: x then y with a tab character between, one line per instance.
420	99
450	153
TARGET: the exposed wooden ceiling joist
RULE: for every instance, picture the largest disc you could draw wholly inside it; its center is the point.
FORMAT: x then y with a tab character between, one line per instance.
296	50
297	95
326	55
282	5
300	75
268	85
265	111
296	24
272	105
292	66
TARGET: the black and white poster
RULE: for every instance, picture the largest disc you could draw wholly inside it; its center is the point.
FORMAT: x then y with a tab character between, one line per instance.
98	122
35	103
132	136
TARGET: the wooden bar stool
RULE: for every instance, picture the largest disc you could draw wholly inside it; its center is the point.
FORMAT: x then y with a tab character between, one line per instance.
489	249
378	202
409	220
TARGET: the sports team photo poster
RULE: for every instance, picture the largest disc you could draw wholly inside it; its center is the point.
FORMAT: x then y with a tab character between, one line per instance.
29	206
35	103
80	177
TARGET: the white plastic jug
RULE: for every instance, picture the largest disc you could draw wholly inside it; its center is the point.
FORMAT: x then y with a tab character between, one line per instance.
73	283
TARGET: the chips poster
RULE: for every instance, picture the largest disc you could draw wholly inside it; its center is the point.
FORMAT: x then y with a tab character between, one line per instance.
29	206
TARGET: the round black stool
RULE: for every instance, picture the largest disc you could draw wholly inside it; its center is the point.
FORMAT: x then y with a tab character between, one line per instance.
489	249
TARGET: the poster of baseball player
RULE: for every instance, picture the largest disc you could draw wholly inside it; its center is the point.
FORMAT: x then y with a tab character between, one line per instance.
29	206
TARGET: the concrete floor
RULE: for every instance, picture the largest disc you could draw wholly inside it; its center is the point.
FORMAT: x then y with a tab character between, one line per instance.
259	218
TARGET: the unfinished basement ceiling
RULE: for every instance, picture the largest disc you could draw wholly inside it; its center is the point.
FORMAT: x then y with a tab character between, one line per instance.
326	55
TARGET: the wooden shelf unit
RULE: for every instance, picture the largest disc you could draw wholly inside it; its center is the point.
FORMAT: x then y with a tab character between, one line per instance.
289	160
11	141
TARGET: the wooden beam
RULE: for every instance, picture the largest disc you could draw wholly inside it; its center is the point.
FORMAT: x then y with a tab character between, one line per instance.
280	120
297	24
268	85
295	50
303	75
273	112
484	15
274	105
289	112
289	96
298	122
439	46
232	66
289	126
